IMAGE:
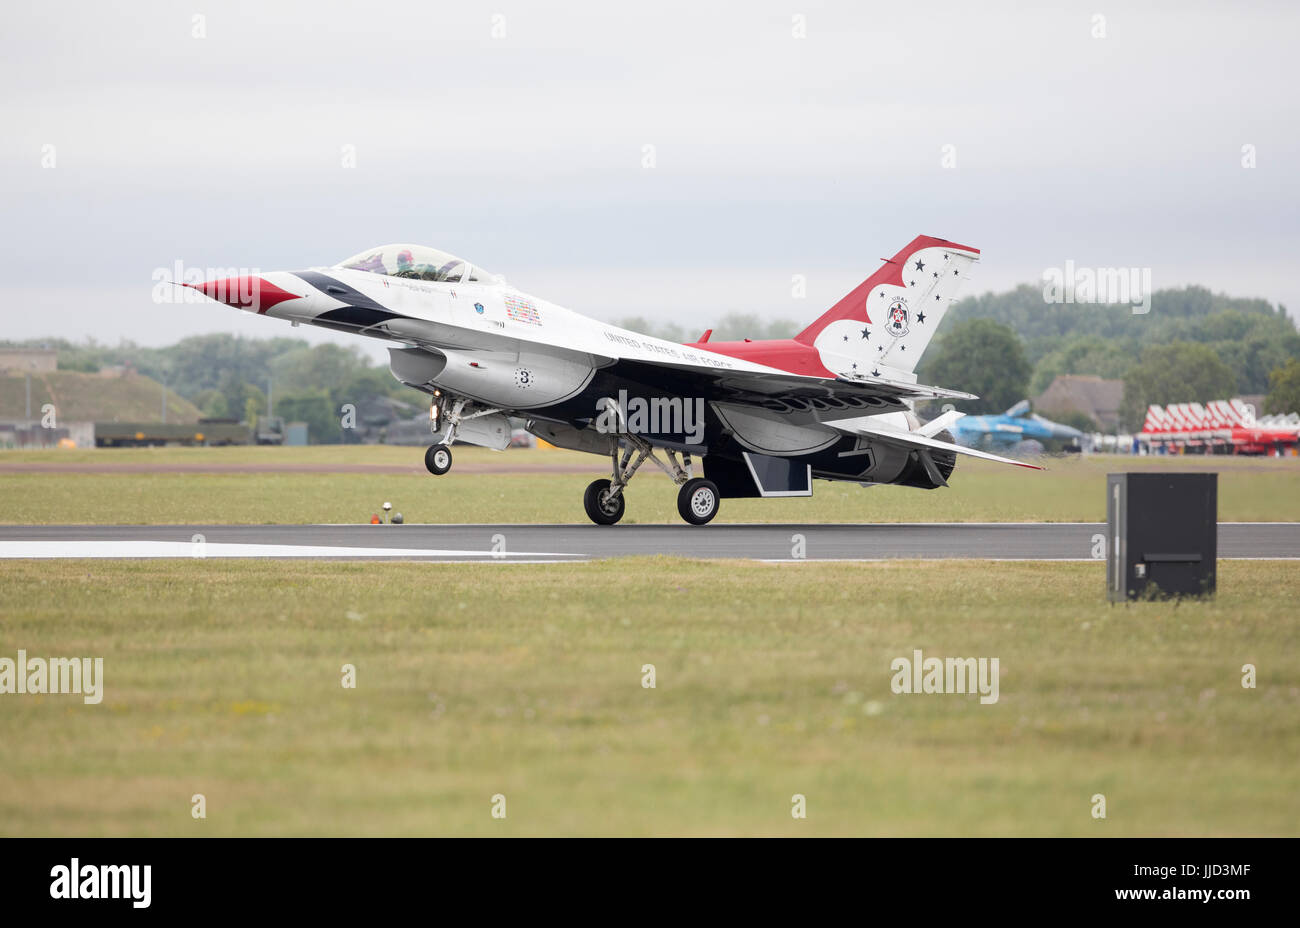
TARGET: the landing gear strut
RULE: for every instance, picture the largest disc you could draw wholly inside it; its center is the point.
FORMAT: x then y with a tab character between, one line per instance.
604	501
437	458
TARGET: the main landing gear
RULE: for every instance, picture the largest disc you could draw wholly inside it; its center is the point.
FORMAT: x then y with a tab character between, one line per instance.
697	501
604	507
697	498
437	458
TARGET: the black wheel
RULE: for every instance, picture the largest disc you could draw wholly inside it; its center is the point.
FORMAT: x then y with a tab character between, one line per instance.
600	508
438	459
697	501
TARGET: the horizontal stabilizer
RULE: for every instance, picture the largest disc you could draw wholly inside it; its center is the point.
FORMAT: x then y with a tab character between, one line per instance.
916	440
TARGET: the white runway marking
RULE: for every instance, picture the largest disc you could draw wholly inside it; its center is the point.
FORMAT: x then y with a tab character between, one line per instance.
481	544
164	549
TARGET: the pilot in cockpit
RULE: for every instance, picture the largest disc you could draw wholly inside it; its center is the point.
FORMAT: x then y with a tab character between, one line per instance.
435	266
406	267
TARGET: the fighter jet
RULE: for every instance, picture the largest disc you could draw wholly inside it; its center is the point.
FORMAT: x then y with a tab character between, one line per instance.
764	418
1011	428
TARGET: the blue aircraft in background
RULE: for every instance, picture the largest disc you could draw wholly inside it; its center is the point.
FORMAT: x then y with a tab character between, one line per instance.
1014	426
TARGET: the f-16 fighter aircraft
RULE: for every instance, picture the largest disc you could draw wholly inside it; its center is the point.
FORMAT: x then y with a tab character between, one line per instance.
765	417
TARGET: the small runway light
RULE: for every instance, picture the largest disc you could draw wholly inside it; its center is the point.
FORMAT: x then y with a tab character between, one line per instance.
397	518
374	519
387	507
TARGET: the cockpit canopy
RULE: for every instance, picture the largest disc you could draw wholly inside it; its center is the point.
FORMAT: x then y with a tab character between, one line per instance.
418	262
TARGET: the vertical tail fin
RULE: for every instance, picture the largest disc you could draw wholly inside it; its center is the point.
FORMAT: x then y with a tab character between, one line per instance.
1228	414
888	319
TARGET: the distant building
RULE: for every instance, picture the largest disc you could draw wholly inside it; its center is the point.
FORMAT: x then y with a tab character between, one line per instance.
1096	398
29	360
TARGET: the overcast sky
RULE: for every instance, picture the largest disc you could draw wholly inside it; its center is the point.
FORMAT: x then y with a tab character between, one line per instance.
773	155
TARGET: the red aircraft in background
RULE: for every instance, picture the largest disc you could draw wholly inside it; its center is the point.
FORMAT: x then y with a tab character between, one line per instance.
1222	426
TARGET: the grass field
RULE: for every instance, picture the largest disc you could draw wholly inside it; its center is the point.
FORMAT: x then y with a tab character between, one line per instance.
224	679
338	488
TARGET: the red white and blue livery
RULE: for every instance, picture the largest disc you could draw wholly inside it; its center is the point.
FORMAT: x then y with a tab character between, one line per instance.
763	418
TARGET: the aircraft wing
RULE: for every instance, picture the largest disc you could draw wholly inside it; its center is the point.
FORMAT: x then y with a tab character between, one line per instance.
916	441
786	392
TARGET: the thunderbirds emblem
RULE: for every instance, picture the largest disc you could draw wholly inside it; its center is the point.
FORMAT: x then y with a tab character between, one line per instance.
897	324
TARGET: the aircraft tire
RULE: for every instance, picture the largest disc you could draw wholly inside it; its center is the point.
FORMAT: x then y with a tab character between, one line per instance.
698	500
437	458
602	513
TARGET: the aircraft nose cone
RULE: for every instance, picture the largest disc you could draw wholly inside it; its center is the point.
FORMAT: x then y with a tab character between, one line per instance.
248	292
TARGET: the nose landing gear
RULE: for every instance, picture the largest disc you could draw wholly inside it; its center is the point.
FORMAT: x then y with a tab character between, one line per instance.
437	458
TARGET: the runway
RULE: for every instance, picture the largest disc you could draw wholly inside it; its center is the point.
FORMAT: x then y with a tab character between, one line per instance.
557	543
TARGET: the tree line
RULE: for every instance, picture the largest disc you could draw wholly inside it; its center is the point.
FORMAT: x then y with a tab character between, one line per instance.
1193	346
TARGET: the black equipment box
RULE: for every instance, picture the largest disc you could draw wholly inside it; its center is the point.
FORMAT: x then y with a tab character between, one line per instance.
1163	535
